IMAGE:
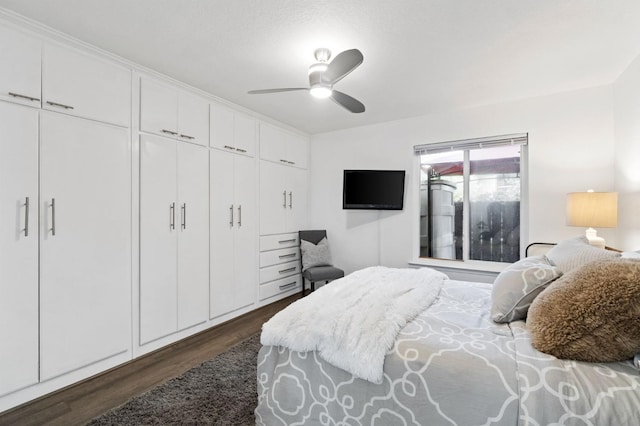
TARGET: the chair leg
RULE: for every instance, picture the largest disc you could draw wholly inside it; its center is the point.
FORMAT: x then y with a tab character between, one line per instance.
313	286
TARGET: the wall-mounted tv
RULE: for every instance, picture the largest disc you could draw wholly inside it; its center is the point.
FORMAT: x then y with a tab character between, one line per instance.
373	189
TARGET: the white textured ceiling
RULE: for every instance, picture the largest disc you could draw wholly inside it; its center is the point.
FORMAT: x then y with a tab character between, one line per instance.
420	56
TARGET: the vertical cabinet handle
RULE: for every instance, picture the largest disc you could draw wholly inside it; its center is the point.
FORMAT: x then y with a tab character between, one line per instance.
26	217
284	197
183	212
172	216
53	216
239	216
290	199
231	210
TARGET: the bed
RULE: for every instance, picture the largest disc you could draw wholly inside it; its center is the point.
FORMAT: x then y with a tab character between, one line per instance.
449	363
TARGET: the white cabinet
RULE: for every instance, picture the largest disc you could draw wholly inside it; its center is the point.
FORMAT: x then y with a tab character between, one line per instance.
283	147
18	247
169	111
232	130
279	266
233	232
20	67
174	245
82	85
283	198
85	243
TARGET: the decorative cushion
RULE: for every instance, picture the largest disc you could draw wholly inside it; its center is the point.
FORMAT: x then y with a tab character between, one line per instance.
590	314
315	255
515	288
575	252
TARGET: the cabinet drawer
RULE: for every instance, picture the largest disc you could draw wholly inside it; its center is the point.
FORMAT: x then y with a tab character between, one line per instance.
280	286
279	241
275	272
274	257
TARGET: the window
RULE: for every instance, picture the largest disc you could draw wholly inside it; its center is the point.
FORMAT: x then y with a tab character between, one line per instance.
470	195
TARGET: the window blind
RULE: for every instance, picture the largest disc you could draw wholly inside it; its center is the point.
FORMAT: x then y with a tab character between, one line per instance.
487	142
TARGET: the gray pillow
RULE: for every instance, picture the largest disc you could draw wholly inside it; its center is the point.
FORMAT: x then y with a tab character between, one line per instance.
575	252
315	254
515	288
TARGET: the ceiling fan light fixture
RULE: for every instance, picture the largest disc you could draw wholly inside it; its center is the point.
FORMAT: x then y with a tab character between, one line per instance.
321	91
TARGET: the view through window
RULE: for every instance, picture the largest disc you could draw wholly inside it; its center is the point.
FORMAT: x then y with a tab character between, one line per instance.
470	202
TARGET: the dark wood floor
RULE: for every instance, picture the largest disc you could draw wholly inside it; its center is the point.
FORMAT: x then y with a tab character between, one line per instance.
79	403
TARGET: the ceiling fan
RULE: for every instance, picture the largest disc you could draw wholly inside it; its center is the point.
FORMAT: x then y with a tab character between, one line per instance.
323	75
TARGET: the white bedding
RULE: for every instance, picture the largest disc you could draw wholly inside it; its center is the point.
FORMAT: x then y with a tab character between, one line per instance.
354	322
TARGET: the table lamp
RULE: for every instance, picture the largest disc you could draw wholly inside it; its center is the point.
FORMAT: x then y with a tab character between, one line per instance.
593	209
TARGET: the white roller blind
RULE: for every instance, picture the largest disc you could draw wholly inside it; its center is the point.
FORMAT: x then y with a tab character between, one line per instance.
491	141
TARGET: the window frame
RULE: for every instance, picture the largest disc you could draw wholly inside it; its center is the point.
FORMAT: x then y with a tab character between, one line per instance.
466	145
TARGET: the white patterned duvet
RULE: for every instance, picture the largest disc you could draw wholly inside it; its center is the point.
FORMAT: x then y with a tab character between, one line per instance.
451	365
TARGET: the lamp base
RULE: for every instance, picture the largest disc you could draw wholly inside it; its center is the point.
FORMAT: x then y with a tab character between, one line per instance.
594	240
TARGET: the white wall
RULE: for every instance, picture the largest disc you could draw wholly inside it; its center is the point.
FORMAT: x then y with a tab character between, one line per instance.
627	155
571	148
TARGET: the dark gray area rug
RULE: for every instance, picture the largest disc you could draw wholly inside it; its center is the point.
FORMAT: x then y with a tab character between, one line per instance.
220	391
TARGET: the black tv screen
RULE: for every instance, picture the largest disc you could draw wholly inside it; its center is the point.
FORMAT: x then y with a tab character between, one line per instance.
373	189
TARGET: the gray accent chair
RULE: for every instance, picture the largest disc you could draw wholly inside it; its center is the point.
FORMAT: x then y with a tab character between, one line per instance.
317	273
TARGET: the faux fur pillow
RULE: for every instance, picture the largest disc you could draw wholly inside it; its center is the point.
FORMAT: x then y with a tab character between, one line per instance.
515	288
590	314
575	252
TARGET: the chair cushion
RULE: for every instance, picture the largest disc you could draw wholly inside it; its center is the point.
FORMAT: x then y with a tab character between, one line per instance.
323	273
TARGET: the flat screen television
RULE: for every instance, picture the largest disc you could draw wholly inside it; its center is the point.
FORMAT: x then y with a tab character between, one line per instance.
373	189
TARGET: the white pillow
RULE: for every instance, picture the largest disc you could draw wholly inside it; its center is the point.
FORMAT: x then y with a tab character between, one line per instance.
517	286
575	252
315	255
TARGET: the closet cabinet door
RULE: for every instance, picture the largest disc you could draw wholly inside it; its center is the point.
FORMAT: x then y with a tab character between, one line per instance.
82	85
159	223
193	234
245	248
193	118
158	108
224	218
18	247
296	211
273	198
85	247
20	67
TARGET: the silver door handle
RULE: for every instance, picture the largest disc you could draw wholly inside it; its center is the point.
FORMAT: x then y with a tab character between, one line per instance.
290	199
293	240
18	95
187	137
53	216
239	216
26	217
184	216
231	210
284	256
59	105
284	271
229	147
169	132
284	195
241	150
172	216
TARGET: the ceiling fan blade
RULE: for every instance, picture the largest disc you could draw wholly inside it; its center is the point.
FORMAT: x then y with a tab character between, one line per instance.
288	89
342	65
346	101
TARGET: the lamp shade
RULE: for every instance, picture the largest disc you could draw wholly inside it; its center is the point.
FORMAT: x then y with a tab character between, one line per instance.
592	209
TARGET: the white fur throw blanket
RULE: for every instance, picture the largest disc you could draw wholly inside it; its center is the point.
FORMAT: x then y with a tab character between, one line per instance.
353	322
